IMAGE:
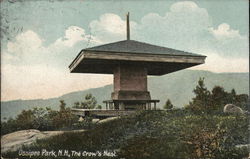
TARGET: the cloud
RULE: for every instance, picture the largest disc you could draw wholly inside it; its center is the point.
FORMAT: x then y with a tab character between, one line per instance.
24	43
219	64
73	35
224	31
188	27
110	27
28	66
182	27
229	42
41	81
28	48
185	6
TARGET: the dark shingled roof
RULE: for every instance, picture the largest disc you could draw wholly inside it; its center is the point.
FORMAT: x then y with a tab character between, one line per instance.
156	59
132	46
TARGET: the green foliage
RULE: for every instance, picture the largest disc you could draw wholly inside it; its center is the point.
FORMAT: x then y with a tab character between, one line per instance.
25	119
37	118
214	101
168	105
62	118
89	103
8	126
99	107
41	119
180	133
48	119
160	134
202	98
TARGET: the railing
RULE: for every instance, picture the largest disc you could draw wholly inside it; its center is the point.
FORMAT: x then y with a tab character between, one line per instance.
130	104
101	113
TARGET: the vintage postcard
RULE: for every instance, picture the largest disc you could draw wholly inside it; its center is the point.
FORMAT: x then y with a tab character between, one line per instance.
94	79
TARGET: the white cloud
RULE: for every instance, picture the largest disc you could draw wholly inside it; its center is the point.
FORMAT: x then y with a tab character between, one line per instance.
217	63
73	35
8	57
180	28
41	81
28	48
29	66
184	6
188	27
228	42
224	31
25	42
110	27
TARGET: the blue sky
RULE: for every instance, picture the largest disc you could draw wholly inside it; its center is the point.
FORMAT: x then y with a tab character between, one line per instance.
41	38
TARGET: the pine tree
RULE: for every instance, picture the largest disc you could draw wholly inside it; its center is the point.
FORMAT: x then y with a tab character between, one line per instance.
168	105
88	103
202	99
76	105
219	98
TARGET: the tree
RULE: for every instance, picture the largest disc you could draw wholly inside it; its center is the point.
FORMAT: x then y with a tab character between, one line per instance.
202	99
40	118
233	92
89	103
168	105
242	100
62	105
99	107
62	118
76	105
25	120
219	98
215	100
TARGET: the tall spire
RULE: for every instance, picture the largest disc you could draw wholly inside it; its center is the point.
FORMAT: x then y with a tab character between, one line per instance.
128	29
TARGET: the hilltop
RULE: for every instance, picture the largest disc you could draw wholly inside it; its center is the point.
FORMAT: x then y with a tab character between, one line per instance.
152	135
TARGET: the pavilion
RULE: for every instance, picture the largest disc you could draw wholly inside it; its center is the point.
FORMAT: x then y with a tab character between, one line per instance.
130	62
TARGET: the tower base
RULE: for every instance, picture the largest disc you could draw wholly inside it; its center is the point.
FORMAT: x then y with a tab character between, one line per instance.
130	95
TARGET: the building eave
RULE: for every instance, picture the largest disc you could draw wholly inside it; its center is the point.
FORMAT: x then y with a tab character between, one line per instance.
102	58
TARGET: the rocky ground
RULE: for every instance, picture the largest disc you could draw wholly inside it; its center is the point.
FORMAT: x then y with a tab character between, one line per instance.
15	140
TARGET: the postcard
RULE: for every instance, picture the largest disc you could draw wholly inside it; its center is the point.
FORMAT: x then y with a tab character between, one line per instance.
125	79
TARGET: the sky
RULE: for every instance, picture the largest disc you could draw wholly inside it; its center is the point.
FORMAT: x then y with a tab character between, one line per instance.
40	38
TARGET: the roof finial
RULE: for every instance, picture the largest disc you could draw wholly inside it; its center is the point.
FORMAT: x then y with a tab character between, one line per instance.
128	29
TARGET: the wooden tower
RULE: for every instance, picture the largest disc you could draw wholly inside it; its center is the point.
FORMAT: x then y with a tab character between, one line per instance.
130	62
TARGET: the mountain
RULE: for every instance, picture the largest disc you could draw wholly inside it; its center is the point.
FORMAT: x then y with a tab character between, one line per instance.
177	87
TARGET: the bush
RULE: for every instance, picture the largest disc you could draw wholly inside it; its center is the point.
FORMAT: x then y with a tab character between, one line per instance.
160	134
89	103
41	119
168	105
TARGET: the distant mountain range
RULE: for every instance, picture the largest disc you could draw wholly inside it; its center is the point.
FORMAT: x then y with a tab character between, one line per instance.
177	86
